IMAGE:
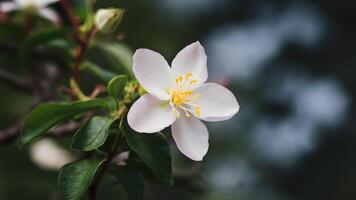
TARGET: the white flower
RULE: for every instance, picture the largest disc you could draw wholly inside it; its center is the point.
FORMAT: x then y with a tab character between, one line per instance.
48	155
39	5
179	96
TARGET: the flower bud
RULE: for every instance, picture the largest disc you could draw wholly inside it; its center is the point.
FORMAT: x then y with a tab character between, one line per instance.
106	20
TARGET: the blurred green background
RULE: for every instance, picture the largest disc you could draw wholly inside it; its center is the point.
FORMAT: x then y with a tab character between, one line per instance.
291	65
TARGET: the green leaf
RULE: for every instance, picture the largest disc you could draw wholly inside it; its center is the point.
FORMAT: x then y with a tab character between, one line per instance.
38	38
93	134
88	24
116	86
94	69
46	116
110	140
135	162
111	103
59	51
154	151
131	181
118	55
75	178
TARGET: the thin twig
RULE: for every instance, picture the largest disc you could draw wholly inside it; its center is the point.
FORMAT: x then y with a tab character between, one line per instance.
83	45
39	86
21	84
10	134
74	21
70	127
81	40
97	90
65	129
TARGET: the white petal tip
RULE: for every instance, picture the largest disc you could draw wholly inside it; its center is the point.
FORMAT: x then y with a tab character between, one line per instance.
236	109
140	50
198	44
197	156
198	159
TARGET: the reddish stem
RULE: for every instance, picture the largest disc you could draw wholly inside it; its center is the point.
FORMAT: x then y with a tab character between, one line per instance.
97	90
81	40
74	21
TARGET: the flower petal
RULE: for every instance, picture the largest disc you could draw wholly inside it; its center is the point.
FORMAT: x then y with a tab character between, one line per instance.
191	137
149	114
23	3
49	14
191	59
42	3
217	103
8	6
153	73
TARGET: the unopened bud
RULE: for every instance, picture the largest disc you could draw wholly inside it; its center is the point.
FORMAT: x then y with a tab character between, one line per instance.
106	20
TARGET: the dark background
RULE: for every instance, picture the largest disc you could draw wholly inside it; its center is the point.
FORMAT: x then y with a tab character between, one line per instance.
291	65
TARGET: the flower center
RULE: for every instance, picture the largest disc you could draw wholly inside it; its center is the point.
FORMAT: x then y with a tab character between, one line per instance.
183	97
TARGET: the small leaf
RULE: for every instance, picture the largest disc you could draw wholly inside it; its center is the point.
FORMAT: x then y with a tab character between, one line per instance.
110	140
93	134
94	69
116	86
135	162
118	55
75	178
131	181
46	116
59	51
154	151
88	24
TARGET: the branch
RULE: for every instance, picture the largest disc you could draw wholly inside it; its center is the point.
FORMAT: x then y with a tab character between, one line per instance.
82	44
81	40
72	18
65	129
39	87
70	127
10	134
15	82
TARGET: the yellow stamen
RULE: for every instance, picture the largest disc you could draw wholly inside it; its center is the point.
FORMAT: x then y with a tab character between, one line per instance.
193	81
197	111
179	79
183	97
188	75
